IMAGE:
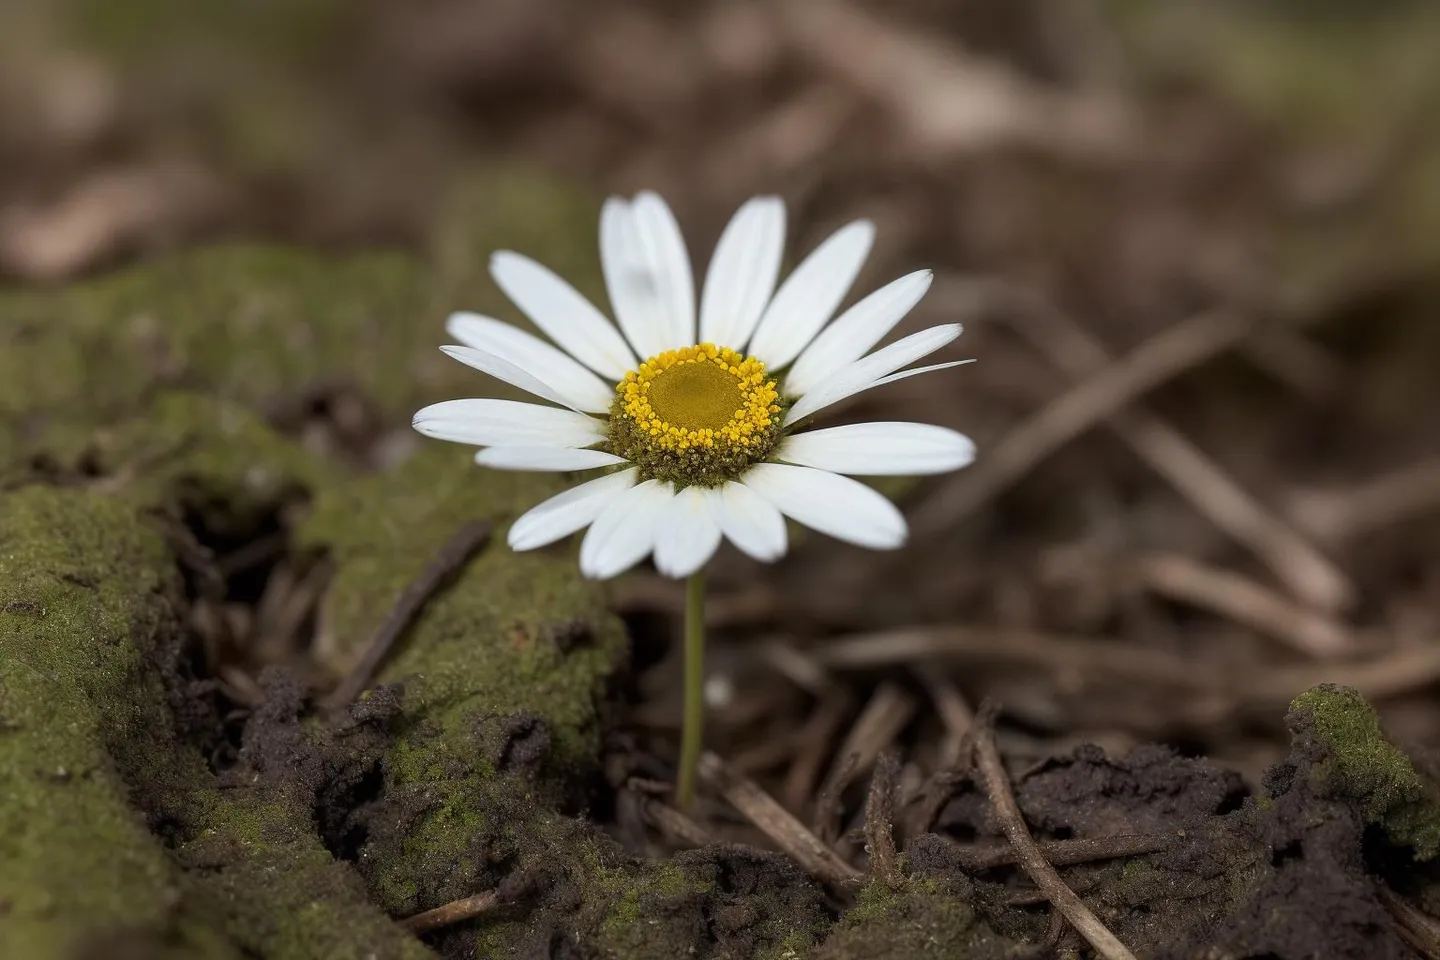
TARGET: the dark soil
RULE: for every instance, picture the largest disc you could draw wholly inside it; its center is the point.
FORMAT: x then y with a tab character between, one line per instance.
1293	871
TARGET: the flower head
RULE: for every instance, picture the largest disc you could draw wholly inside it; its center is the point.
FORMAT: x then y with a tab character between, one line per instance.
696	432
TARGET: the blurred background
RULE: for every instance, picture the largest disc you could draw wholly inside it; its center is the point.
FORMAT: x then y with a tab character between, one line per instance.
1194	244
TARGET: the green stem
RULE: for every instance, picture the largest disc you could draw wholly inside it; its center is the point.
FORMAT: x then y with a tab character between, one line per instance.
692	735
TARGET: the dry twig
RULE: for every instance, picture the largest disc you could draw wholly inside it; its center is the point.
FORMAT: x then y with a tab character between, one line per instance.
457	551
949	99
1242	599
1049	652
776	823
452	913
975	858
1420	930
675	825
1099	394
828	808
812	748
954	712
1336	516
1028	854
1080	355
884	716
880	820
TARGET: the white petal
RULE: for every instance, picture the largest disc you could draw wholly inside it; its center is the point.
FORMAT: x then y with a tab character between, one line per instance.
870	371
555	459
916	371
506	371
742	273
880	449
687	535
507	423
843	508
855	331
565	316
567	512
647	270
809	296
751	522
624	532
580	388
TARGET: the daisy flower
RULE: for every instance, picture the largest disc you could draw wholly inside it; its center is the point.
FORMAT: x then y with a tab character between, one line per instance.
696	429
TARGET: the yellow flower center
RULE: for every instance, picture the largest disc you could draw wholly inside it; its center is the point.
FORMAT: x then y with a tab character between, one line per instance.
697	415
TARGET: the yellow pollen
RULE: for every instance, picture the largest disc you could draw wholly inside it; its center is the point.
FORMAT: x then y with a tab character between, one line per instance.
700	397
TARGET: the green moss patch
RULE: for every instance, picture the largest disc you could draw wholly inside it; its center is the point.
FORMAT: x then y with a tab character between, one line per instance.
1364	766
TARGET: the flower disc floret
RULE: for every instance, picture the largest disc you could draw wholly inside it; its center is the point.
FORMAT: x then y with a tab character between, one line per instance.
696	416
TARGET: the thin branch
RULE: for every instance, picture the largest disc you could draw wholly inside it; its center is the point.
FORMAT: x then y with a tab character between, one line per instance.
1334	516
1420	930
812	747
1071	348
1099	394
828	807
955	712
1028	855
452	913
457	551
880	820
675	825
975	858
1242	599
1086	656
884	716
775	822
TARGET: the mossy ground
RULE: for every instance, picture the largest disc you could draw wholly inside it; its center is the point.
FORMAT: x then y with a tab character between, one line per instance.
1362	765
138	390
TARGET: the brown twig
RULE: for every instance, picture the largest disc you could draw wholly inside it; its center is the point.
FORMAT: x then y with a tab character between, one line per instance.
955	713
1242	599
974	858
1099	394
1395	672
1054	931
880	820
884	716
1217	495
1335	516
776	823
456	552
674	824
1398	671
452	913
798	667
946	98
828	808
1029	856
1420	930
1053	652
812	748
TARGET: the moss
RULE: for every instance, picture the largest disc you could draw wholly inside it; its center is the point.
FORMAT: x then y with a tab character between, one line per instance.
257	326
517	633
250	325
300	30
281	894
77	859
155	384
646	908
1369	770
84	723
924	917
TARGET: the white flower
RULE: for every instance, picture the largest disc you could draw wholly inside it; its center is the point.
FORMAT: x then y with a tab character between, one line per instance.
694	430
